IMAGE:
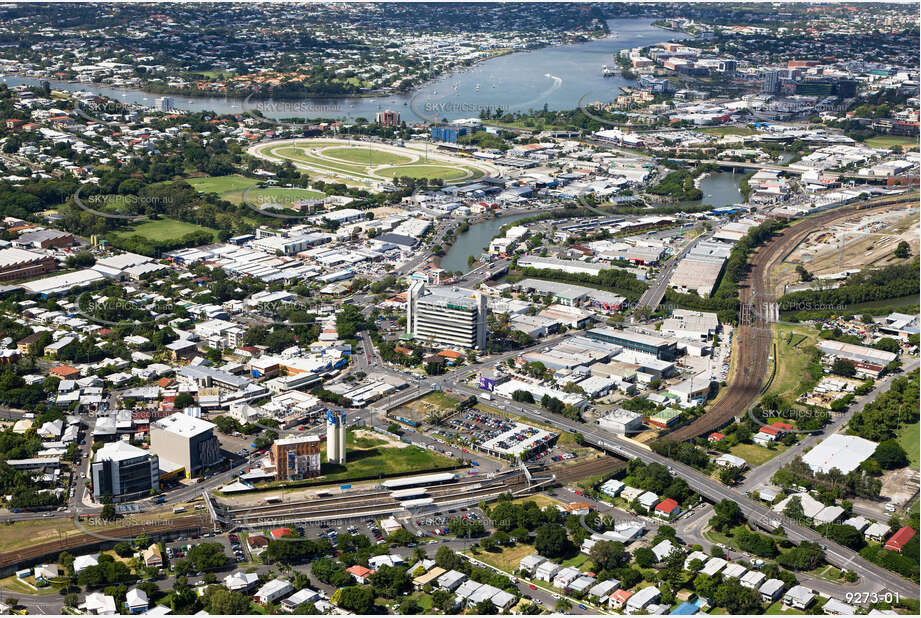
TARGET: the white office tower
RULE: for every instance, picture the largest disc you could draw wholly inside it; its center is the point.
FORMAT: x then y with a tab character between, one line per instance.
335	437
446	316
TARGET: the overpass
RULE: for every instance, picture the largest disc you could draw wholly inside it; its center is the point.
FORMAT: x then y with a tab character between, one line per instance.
772	167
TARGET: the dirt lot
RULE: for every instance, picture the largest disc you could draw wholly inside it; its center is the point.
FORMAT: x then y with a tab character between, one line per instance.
859	241
900	486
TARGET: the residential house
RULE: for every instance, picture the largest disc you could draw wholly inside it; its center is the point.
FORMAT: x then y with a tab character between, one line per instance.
798	597
136	601
273	590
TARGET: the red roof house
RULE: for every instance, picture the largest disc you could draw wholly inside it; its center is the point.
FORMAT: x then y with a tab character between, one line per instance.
668	508
898	540
277	533
715	436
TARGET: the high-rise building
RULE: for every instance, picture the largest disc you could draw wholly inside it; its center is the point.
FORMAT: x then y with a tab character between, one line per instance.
296	458
124	472
185	441
446	316
335	437
771	81
165	104
388	118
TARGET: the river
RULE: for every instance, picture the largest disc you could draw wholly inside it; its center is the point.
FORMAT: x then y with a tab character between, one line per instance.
558	77
719	189
473	241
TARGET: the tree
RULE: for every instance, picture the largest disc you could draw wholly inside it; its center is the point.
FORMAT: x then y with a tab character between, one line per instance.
123	549
728	516
844	367
228	602
804	557
447	559
794	509
183	400
890	455
485	608
902	250
409	606
551	541
390	581
108	512
442	599
730	475
608	555
644	557
845	535
359	599
888	344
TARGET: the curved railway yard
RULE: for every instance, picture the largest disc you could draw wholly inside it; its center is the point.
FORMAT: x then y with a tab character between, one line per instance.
752	349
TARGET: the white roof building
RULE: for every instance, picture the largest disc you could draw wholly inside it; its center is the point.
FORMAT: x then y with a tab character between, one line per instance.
839	451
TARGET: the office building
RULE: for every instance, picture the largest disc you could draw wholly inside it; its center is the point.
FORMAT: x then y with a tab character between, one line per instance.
660	347
124	472
388	118
446	316
335	437
296	458
453	133
185	441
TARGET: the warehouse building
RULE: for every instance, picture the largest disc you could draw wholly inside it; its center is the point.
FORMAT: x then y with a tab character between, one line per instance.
19	264
660	347
855	353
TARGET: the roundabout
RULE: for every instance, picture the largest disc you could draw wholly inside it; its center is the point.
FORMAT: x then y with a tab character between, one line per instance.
372	163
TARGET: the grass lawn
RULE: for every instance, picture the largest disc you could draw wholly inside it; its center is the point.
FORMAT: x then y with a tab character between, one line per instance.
360	155
222	184
445	172
508	559
888	141
277	195
576	561
828	573
540	500
728	130
910	439
165	229
794	347
380	461
424	601
20	534
14	584
442	401
777	609
756	455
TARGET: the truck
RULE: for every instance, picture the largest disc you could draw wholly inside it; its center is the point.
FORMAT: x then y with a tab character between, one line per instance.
486	396
178	509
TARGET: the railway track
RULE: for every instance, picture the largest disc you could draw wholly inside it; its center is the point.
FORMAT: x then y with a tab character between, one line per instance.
53	548
375	503
306	513
576	472
372	498
753	341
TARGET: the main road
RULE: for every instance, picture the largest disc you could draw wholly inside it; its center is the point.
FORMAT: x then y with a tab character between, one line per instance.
713	490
